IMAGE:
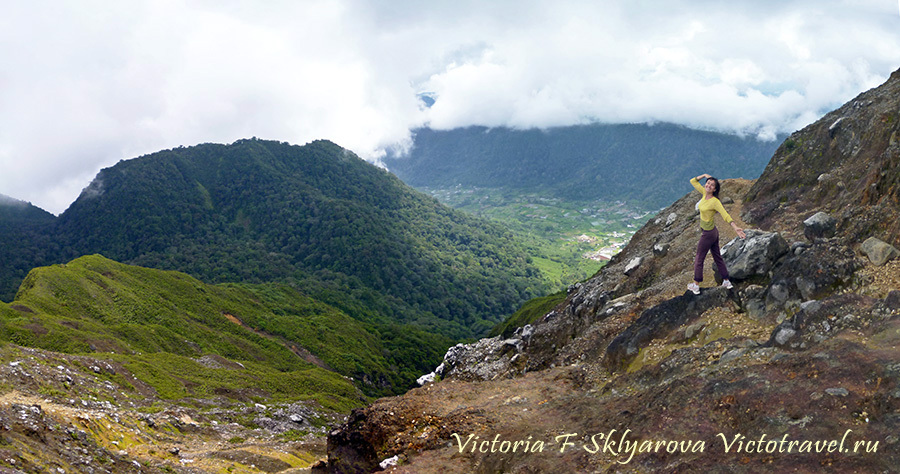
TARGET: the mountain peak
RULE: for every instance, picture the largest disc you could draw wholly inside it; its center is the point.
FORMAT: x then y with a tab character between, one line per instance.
847	163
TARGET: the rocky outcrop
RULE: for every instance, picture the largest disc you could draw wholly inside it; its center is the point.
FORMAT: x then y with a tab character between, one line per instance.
486	359
818	321
351	449
824	268
754	256
847	164
661	320
531	347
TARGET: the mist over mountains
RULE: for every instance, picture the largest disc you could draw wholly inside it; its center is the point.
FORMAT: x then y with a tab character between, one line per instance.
639	163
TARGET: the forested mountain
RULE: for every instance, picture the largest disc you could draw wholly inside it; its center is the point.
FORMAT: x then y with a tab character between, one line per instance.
317	215
25	242
416	274
640	163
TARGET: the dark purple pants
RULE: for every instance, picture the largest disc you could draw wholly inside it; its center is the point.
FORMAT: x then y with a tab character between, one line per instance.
709	242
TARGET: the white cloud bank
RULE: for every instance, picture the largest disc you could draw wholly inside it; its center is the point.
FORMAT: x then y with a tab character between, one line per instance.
86	83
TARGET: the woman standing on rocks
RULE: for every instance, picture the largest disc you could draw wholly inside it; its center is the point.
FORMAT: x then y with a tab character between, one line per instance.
709	239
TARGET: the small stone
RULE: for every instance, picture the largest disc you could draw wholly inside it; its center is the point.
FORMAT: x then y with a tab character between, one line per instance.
784	335
892	301
671	218
837	392
633	265
391	461
426	379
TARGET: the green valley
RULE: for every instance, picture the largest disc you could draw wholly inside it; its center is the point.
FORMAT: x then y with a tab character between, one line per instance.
569	241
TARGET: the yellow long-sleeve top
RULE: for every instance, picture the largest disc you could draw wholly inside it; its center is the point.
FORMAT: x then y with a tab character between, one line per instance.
709	208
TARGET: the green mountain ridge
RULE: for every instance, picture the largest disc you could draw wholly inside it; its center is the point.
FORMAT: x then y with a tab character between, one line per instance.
162	326
260	211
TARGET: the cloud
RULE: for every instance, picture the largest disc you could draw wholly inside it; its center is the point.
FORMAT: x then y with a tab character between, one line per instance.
85	84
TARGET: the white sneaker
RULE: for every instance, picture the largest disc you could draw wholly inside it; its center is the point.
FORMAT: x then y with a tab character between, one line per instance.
695	288
727	284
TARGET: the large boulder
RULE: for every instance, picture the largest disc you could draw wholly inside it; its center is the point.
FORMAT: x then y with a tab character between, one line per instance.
484	359
818	321
819	226
827	266
878	251
754	256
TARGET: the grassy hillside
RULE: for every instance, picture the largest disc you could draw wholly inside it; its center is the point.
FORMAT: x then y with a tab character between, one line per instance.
164	326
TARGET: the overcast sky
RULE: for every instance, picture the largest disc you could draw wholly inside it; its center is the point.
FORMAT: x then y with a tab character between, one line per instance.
86	83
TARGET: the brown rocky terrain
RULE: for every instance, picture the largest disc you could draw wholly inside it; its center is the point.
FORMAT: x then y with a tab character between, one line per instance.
62	413
797	369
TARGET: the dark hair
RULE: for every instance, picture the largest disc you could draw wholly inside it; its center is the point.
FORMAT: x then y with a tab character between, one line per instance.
716	192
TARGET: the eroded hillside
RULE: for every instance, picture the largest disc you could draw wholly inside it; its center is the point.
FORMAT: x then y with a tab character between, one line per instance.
794	370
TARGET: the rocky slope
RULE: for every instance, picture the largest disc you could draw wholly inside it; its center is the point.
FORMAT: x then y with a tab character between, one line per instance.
66	413
129	369
795	369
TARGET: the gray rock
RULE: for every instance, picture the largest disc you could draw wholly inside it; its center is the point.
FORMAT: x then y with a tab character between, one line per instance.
426	379
754	256
671	218
660	320
892	301
754	297
732	354
878	251
485	359
784	335
633	265
660	250
811	306
799	247
807	287
826	266
525	332
819	226
837	392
